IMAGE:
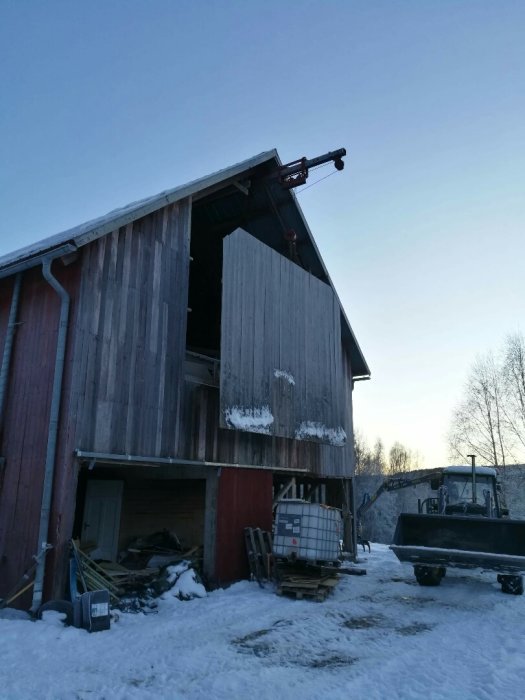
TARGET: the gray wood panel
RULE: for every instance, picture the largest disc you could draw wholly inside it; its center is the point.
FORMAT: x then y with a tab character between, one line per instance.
131	336
340	461
281	356
203	439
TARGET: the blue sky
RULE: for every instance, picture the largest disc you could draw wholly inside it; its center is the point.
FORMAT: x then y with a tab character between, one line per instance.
107	102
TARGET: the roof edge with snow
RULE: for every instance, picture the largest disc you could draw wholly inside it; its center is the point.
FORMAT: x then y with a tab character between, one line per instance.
70	240
79	236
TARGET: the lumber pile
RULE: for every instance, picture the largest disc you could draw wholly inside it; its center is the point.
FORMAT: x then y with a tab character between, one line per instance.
123	581
92	576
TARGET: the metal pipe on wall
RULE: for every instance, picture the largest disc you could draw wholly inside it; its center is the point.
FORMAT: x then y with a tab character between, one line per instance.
49	470
8	345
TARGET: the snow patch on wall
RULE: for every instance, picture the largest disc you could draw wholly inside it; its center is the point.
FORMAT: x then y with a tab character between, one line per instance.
281	374
313	429
254	420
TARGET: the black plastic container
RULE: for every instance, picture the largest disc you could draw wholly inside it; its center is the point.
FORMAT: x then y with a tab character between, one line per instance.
95	611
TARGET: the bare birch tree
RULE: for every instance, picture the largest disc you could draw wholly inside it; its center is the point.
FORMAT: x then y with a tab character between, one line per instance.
378	456
368	461
362	454
514	385
400	459
479	422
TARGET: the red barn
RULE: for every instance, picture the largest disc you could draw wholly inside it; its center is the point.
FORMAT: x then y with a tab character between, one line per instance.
170	365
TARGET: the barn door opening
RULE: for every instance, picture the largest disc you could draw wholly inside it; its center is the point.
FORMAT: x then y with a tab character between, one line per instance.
101	523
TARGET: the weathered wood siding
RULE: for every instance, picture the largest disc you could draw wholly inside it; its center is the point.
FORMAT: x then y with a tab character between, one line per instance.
340	461
202	438
131	336
281	362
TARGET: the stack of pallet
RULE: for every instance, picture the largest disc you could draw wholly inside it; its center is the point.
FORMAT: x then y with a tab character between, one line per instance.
298	585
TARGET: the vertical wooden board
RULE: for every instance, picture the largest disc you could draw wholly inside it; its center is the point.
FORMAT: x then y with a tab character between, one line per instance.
131	340
6	295
280	347
340	461
120	344
235	447
175	321
161	409
157	346
132	312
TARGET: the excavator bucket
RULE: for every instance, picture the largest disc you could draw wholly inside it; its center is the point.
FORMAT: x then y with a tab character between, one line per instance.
461	541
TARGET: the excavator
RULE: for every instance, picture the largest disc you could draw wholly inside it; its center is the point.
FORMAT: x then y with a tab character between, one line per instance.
464	525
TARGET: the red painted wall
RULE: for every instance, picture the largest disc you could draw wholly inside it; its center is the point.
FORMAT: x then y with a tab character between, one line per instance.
244	500
23	440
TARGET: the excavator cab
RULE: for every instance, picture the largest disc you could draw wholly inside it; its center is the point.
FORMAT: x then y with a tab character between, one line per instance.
465	496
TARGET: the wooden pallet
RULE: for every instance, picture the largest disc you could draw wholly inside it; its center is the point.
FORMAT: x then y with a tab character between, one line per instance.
259	551
301	586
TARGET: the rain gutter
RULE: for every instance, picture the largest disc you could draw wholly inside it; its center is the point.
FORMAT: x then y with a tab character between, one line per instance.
121	460
28	263
49	469
8	345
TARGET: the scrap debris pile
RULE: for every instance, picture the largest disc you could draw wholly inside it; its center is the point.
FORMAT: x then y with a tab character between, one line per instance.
151	567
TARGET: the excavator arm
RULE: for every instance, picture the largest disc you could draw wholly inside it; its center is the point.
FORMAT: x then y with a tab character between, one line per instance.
394	483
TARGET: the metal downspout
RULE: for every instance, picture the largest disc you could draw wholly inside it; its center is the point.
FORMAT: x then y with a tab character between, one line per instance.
49	471
8	345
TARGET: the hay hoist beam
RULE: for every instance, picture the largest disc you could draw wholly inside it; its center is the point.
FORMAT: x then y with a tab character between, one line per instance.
295	173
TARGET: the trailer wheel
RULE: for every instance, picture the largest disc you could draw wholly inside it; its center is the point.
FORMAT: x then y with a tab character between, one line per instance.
429	575
511	584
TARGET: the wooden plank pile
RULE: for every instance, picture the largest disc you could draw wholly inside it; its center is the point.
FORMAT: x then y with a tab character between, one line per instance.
157	557
94	577
120	580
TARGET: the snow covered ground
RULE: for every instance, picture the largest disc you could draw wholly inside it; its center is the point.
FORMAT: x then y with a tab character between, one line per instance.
377	636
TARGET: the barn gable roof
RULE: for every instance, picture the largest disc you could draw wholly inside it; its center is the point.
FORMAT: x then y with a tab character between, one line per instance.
96	228
72	239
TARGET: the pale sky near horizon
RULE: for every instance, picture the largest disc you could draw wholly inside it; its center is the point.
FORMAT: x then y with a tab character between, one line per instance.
104	103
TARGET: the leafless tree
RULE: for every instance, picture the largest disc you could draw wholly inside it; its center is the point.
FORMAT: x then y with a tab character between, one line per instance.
368	461
514	386
400	459
479	424
373	461
379	458
362	454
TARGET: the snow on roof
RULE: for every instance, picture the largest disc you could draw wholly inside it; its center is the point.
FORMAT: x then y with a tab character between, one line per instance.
485	471
70	240
91	230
